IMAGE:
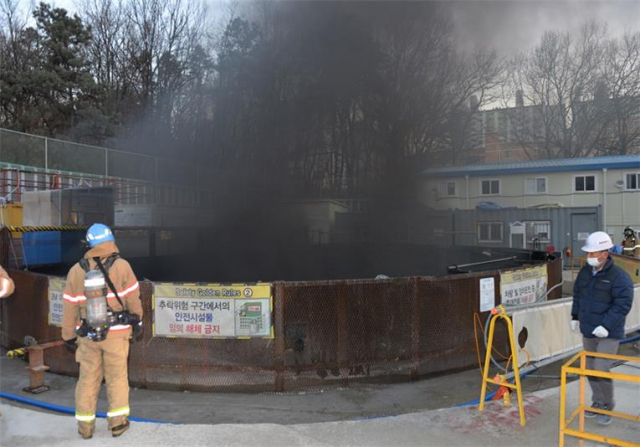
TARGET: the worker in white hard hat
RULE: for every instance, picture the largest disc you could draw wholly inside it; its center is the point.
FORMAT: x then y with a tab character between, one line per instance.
602	298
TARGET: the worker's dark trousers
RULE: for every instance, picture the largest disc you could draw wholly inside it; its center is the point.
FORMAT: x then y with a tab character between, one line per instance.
602	388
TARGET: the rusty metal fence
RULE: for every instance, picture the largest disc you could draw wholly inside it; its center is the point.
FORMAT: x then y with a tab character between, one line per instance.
327	333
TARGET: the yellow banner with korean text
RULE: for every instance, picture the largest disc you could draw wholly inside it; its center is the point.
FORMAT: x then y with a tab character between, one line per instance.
523	286
213	310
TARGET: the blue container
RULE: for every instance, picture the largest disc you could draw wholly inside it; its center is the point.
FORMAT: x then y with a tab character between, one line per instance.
42	248
71	246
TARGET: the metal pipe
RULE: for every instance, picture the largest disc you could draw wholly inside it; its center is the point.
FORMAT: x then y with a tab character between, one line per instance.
604	199
457	266
466	180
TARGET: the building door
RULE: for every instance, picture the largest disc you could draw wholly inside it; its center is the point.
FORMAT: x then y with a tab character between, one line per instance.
517	233
581	226
517	241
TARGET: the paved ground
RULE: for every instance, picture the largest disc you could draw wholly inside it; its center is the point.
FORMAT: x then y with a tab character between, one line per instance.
362	402
463	426
402	415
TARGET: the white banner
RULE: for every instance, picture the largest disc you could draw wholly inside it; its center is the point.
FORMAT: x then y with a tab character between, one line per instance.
487	294
212	310
548	330
56	289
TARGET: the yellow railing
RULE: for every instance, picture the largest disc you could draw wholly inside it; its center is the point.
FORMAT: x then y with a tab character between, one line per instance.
582	371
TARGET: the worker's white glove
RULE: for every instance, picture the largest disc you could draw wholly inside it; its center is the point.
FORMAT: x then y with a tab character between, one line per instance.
600	332
575	325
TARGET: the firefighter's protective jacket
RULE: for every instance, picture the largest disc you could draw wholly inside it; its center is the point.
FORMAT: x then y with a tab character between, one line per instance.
6	284
123	279
631	247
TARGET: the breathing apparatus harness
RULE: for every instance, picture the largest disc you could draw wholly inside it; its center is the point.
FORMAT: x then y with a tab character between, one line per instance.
100	316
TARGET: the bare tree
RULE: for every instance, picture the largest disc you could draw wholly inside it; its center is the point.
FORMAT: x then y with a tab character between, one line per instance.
431	83
622	80
17	54
580	94
345	99
145	53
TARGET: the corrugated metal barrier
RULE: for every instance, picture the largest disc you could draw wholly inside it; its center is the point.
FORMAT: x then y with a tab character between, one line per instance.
327	333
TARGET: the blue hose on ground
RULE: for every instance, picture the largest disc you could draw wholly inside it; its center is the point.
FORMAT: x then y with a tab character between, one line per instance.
489	396
630	339
66	410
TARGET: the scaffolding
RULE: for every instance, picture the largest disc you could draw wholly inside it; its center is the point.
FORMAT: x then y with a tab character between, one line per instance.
35	163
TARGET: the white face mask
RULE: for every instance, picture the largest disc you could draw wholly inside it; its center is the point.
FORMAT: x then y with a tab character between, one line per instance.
593	262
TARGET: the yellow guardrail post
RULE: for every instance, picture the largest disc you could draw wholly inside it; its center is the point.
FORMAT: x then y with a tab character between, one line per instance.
500	312
583	380
563	387
582	371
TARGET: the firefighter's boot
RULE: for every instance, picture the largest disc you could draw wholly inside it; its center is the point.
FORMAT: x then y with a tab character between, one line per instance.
86	429
121	428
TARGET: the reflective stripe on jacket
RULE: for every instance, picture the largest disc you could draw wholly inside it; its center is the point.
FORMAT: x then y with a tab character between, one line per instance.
124	280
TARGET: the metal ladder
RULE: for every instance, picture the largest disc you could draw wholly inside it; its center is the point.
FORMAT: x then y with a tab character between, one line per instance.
17	258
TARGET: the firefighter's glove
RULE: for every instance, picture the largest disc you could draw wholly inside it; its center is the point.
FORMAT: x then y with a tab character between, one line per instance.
71	345
137	329
600	332
575	325
128	318
133	320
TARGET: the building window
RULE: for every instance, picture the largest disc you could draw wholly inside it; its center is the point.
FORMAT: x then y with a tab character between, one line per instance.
490	187
446	189
536	185
584	183
489	231
633	181
540	230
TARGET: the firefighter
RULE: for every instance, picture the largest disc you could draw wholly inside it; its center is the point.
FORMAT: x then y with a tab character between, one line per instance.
6	284
101	308
630	243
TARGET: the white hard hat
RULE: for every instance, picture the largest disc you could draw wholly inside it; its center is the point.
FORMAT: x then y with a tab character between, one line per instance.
598	241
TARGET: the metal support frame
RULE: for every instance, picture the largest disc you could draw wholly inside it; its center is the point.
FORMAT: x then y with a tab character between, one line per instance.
497	313
36	367
582	371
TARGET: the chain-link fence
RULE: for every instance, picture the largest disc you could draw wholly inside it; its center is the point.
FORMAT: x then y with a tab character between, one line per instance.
327	334
17	148
33	163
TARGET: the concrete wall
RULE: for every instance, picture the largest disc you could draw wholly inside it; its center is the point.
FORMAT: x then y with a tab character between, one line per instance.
446	228
77	206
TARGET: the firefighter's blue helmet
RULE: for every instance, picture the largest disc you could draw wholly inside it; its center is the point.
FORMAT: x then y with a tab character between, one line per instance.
99	233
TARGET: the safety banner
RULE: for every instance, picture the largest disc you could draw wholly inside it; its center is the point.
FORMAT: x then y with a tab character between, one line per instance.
523	286
212	311
56	289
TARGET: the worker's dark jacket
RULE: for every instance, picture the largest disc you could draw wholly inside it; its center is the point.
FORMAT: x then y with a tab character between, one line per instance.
603	299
